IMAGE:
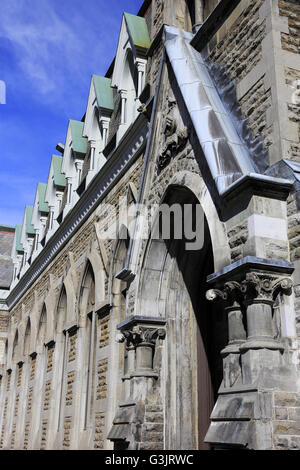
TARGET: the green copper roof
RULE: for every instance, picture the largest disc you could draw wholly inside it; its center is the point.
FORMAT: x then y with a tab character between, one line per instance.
19	246
59	178
29	226
138	30
79	143
104	92
43	206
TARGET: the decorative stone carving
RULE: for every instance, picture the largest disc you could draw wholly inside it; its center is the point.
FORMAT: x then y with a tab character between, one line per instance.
174	138
265	287
137	335
256	294
142	341
141	336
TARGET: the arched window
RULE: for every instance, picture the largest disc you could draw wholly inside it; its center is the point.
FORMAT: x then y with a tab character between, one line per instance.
15	348
5	351
173	284
87	311
42	328
61	341
61	314
119	289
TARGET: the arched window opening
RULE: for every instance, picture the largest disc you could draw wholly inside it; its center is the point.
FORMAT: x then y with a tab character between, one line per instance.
119	262
61	313
27	339
87	311
62	342
42	328
173	286
5	351
15	348
119	295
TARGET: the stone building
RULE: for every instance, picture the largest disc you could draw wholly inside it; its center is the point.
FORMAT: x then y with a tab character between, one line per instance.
120	336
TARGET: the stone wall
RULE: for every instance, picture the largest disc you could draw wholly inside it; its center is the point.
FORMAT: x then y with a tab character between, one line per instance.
286	426
292	77
43	406
291	40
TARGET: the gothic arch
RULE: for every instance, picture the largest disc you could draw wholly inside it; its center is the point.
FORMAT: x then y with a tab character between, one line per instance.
61	311
70	286
15	349
87	291
42	329
116	285
27	338
217	229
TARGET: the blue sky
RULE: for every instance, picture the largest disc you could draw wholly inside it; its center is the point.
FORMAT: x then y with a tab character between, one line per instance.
48	51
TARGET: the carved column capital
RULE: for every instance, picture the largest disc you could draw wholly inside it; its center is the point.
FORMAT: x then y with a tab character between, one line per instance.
230	292
255	287
141	336
255	292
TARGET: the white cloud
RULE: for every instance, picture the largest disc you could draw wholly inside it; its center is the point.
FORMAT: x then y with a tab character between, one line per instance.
41	40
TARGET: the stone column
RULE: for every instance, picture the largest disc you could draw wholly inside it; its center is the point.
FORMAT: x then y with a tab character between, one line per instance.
143	336
93	150
254	294
123	106
59	196
79	166
69	186
36	239
141	73
43	226
51	209
260	291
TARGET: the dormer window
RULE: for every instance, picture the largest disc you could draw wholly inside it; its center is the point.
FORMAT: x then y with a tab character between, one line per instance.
130	68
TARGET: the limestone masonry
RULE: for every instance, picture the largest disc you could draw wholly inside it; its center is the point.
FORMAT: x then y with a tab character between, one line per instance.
110	339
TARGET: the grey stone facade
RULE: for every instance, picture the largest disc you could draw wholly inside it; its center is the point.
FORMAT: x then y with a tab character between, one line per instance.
134	342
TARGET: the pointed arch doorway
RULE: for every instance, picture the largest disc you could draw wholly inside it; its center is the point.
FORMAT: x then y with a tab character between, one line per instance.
173	286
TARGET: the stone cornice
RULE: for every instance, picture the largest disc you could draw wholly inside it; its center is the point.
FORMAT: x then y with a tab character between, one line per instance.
118	162
140	319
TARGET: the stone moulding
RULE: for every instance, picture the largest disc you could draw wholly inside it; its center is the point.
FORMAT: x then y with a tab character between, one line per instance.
117	163
132	321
